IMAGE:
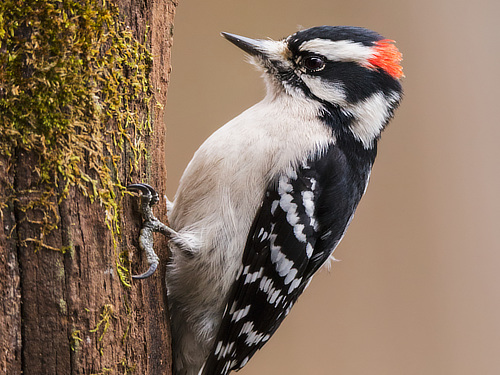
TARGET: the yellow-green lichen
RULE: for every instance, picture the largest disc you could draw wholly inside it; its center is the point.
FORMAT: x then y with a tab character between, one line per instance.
121	367
123	269
126	367
125	334
73	81
103	324
106	315
63	307
104	371
75	340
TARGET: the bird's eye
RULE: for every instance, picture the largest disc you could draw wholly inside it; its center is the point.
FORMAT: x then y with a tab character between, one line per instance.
313	63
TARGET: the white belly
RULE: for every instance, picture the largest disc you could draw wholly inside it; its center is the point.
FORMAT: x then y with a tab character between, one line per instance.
221	191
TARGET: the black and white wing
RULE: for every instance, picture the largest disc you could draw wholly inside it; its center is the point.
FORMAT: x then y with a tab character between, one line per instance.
302	218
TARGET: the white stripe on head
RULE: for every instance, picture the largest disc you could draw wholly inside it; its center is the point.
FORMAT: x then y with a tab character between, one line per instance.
340	50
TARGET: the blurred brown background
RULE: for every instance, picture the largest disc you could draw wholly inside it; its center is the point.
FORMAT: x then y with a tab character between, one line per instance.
417	290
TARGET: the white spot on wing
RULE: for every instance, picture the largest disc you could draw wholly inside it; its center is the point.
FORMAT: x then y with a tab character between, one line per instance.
309	250
308	202
298	230
265	284
253	337
244	362
224	350
291	211
273	296
262	236
225	369
233	308
218	348
295	283
252	277
291	276
274	206
239	314
283	265
313	184
283	186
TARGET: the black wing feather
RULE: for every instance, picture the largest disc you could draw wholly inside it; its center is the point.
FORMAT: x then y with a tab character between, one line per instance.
302	218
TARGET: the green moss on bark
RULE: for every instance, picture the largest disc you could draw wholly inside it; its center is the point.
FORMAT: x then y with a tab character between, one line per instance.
75	93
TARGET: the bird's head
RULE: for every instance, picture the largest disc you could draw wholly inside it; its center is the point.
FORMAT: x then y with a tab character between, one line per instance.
352	72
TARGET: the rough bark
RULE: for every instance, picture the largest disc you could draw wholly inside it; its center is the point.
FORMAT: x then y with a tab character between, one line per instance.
68	313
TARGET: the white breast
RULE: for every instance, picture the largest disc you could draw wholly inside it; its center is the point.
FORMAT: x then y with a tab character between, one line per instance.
223	185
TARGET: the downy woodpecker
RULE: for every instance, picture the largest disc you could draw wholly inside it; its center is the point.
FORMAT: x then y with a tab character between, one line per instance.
267	198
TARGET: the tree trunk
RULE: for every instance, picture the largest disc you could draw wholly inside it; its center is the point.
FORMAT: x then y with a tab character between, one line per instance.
68	304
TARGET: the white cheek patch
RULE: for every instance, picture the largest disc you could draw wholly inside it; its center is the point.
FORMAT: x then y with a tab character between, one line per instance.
331	92
370	116
340	50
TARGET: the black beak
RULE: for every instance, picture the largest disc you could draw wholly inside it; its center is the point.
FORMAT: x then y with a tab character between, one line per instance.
253	47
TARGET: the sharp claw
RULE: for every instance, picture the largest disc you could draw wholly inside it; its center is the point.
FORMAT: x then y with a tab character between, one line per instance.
149	272
151	225
146	190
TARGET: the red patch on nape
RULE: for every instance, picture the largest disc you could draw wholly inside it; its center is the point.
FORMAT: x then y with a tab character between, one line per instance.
387	56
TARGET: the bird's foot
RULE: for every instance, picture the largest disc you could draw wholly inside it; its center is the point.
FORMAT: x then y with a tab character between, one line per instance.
149	197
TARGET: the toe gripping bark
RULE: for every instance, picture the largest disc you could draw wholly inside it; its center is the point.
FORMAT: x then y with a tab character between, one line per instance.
149	197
